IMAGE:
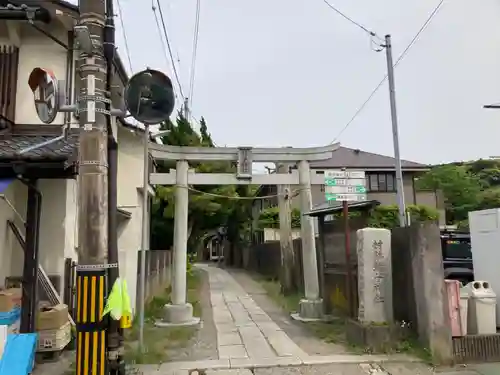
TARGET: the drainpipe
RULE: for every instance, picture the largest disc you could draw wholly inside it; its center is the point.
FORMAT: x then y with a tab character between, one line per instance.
70	70
30	267
115	333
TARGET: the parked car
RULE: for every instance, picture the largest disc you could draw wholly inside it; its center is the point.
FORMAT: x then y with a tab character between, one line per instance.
457	256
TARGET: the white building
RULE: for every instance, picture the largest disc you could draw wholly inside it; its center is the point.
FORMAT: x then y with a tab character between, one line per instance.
22	48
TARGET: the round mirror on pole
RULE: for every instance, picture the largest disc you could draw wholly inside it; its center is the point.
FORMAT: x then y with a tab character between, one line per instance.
149	97
43	84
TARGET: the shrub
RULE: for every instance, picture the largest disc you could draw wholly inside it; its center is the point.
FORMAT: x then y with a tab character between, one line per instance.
388	216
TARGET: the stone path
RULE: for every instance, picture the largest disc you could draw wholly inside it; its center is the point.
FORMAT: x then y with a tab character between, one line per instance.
244	330
248	339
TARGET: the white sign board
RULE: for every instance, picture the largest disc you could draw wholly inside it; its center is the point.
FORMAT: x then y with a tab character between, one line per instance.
345	186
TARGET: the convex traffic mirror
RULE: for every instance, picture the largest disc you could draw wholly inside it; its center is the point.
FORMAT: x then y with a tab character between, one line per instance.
43	83
149	97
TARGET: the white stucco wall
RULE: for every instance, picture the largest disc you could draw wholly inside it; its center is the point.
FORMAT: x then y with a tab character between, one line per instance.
58	229
130	172
37	50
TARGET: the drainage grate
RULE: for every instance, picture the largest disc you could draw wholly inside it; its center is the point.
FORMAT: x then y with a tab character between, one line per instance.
477	348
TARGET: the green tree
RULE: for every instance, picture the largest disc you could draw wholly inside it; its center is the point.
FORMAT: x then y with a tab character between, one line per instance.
461	189
270	218
210	207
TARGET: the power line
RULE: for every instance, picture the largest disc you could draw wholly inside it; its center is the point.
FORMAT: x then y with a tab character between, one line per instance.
400	58
124	34
169	47
164	47
366	30
195	48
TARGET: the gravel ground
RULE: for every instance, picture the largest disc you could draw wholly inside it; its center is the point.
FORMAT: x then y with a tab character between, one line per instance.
204	344
295	330
61	367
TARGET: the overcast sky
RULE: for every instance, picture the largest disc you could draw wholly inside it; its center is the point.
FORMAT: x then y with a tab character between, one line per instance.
293	72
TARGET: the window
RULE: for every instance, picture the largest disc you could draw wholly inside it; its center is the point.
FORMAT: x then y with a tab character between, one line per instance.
382	182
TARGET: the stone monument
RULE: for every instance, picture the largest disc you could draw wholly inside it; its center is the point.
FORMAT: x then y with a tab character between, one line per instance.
374	327
374	275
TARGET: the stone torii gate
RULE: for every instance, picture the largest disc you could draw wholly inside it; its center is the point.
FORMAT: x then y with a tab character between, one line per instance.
179	312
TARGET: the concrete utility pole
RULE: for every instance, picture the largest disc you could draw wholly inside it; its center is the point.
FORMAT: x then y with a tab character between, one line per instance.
93	193
179	312
395	135
286	241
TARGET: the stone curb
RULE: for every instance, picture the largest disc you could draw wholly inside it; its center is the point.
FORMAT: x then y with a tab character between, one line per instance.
241	363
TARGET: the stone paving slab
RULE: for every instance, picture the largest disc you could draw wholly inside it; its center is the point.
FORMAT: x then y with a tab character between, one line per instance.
229	372
334	369
232	351
234	308
229	338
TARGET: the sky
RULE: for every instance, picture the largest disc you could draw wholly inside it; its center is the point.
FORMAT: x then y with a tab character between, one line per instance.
293	72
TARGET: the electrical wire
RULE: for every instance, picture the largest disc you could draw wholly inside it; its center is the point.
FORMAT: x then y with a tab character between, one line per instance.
164	47
171	55
195	48
294	193
345	16
399	59
124	34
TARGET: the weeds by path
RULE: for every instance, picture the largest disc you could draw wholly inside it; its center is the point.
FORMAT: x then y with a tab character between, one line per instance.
159	341
334	331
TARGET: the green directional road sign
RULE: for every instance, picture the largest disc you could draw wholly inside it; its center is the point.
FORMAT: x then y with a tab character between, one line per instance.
345	185
345	197
360	189
331	182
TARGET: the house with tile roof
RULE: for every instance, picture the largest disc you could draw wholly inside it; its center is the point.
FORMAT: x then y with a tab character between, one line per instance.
44	180
380	181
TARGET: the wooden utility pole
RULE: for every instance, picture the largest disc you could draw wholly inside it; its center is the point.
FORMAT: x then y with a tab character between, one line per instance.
93	194
287	275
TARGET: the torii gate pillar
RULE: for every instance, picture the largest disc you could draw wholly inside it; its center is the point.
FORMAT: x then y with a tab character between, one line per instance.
179	311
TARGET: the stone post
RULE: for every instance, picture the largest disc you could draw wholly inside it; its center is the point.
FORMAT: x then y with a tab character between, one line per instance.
374	275
179	312
310	308
431	300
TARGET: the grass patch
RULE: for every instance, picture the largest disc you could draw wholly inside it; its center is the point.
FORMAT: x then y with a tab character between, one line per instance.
290	303
334	331
330	332
158	342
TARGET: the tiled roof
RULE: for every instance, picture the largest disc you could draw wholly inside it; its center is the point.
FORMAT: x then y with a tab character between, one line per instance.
11	145
345	157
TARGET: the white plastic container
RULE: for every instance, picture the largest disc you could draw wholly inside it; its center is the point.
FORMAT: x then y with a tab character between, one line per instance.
464	308
482	308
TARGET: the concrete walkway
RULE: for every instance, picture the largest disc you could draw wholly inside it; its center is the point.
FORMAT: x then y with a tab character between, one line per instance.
247	338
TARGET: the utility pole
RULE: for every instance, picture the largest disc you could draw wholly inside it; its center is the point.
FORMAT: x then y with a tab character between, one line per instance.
395	134
186	109
93	194
115	332
286	240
